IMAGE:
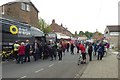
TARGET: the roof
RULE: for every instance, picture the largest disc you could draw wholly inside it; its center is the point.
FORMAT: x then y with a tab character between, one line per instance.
114	28
25	1
36	32
57	28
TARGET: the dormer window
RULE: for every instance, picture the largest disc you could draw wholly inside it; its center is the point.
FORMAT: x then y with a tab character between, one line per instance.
25	6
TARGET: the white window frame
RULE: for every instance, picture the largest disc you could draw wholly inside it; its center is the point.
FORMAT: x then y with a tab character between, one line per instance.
23	6
27	7
115	33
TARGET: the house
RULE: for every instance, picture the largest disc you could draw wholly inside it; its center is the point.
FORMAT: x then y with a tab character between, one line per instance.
21	10
60	29
112	34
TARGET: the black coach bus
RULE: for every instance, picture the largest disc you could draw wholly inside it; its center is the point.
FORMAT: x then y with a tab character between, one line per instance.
15	31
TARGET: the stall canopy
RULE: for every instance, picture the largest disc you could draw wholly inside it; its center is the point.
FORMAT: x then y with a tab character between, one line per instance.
62	36
36	32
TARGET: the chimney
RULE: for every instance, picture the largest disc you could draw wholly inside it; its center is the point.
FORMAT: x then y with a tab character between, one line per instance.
53	21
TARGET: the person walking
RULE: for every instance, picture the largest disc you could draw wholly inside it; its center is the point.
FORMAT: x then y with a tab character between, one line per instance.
90	50
35	50
82	48
59	48
21	52
68	45
50	45
40	49
100	51
72	48
77	45
27	52
64	47
54	49
95	48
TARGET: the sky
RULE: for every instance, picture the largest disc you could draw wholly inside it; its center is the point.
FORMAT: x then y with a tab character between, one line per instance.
78	15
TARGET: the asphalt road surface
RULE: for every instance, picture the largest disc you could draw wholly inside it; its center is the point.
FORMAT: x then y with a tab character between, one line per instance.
67	68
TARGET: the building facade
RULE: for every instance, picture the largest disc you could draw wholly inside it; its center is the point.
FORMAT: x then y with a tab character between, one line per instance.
112	34
60	29
23	11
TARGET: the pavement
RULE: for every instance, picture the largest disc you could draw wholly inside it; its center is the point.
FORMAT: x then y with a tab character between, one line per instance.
106	68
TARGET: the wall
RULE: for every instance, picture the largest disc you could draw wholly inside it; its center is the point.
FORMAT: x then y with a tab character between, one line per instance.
14	10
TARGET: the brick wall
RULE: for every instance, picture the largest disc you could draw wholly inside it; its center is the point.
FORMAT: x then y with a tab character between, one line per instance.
14	10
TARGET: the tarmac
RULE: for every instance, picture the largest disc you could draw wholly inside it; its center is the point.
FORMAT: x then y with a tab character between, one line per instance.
105	68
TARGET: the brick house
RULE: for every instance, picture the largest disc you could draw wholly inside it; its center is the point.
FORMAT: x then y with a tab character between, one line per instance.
59	29
112	34
21	10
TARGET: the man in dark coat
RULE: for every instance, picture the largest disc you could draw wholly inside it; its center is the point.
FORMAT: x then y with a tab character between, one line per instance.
35	50
100	51
68	45
90	50
72	48
27	51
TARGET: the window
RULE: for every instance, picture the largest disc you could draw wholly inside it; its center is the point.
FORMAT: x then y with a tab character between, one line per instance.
115	33
28	7
3	9
23	6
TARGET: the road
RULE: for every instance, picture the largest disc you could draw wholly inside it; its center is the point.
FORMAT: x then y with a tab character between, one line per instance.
67	68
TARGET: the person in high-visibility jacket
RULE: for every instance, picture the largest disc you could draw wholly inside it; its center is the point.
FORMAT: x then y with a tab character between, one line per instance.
16	46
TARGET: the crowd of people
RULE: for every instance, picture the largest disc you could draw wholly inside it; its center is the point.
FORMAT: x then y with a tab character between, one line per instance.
98	48
23	50
53	50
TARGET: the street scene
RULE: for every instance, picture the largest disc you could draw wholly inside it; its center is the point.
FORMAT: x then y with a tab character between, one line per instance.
37	45
67	68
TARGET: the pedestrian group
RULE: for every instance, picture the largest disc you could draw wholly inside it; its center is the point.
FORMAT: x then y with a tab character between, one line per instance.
24	50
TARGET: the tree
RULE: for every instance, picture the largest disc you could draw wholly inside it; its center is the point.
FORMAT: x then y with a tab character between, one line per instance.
44	26
75	33
91	35
81	33
88	34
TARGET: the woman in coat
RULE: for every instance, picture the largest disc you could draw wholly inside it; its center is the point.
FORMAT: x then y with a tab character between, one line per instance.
21	52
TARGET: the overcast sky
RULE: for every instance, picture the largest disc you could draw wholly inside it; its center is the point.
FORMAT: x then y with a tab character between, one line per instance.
78	15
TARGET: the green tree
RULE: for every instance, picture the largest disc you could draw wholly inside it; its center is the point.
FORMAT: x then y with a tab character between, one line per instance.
88	34
75	33
44	26
81	33
91	35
